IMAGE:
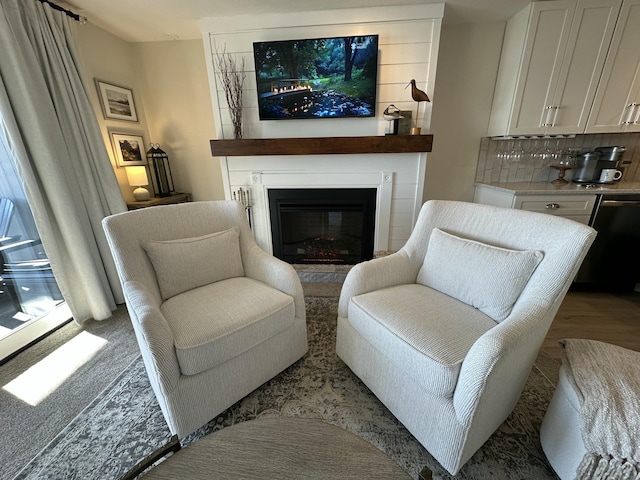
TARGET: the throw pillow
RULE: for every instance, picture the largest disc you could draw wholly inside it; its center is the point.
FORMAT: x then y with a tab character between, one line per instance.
188	263
486	277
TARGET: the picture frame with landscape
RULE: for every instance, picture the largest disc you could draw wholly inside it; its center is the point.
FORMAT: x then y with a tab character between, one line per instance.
117	102
128	149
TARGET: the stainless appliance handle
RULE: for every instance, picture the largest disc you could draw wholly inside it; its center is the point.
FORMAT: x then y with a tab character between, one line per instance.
620	203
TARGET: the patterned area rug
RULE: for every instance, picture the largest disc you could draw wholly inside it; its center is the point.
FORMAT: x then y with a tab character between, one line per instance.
124	424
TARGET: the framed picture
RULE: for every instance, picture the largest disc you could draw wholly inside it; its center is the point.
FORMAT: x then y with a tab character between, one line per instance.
117	102
128	149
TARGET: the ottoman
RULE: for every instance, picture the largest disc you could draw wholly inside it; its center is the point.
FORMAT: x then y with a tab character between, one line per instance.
560	433
591	428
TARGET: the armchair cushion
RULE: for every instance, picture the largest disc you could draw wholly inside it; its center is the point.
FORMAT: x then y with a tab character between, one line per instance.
425	332
486	277
188	263
247	312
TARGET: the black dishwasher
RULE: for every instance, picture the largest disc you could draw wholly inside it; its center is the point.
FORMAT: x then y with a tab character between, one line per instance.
613	261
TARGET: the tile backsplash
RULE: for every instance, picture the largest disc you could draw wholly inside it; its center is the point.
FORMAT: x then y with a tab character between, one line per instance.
522	159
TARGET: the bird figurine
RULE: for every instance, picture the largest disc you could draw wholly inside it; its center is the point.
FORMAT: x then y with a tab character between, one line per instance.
418	96
392	114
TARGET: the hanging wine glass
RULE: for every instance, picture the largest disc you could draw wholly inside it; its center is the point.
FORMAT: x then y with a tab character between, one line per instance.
534	152
545	155
517	152
555	152
503	151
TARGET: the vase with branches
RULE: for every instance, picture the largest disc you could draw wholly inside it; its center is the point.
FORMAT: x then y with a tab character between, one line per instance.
232	75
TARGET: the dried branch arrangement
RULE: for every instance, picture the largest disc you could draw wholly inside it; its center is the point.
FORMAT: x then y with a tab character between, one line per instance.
232	77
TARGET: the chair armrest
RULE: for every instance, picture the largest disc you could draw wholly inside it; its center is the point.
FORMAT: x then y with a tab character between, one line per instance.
498	364
154	335
276	273
395	269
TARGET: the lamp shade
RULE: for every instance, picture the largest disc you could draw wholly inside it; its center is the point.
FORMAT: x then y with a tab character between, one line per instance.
137	176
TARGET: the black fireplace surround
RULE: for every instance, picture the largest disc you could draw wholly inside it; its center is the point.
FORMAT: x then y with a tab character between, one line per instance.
323	225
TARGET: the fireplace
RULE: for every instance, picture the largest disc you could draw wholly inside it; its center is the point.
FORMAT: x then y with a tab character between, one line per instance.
323	225
398	179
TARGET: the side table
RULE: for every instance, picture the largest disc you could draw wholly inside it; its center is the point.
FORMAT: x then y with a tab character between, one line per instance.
178	197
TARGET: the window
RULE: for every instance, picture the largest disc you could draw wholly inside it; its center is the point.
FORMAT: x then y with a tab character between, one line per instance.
30	301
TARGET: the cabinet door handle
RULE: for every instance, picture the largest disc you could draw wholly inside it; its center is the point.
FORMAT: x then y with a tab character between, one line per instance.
550	110
637	117
552	206
556	108
545	117
631	108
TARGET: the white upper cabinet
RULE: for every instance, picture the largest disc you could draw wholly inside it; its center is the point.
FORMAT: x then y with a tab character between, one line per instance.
552	58
616	107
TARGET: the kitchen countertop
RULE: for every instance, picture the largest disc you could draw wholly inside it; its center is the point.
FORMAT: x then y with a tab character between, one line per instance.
541	188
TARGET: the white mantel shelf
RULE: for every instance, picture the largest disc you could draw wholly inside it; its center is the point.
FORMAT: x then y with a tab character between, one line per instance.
321	145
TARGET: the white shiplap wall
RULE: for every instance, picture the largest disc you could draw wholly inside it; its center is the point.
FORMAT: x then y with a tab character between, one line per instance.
408	47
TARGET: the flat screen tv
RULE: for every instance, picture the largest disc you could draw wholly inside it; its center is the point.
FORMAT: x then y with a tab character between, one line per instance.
317	78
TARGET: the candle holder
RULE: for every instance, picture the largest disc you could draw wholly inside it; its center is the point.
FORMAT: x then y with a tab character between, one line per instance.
161	178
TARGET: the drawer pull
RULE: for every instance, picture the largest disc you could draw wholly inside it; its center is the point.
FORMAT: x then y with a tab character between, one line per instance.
552	206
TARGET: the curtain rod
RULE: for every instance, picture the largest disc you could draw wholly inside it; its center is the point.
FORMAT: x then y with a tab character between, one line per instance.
69	13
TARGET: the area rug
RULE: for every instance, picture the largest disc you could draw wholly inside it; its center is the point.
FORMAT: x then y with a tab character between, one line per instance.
124	424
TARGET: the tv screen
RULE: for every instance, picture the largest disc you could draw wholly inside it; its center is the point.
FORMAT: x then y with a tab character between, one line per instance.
317	78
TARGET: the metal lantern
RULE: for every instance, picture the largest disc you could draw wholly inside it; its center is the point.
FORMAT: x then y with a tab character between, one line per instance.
161	178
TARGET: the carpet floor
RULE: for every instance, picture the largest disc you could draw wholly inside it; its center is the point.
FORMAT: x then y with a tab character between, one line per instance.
124	423
55	379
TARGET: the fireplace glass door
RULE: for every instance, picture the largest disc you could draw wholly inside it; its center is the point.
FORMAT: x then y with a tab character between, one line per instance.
323	226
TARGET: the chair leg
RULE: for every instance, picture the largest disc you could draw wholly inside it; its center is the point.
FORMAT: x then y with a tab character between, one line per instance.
425	474
171	447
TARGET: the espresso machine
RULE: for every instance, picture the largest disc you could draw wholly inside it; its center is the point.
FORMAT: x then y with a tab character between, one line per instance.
600	166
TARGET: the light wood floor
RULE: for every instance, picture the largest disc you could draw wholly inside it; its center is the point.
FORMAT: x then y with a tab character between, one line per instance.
609	317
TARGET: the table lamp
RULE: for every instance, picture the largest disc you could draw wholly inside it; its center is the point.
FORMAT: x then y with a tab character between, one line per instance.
137	177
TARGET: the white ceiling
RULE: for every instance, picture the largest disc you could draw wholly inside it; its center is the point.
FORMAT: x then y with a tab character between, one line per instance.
156	20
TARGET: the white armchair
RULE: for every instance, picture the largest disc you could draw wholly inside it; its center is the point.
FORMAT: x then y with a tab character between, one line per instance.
214	315
445	331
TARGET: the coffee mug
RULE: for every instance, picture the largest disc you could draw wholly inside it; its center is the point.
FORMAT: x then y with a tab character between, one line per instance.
610	175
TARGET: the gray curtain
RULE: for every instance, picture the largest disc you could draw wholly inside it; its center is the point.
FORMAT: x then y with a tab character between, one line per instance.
54	138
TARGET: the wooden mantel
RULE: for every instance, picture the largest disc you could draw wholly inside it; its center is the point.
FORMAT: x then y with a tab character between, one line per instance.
321	145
